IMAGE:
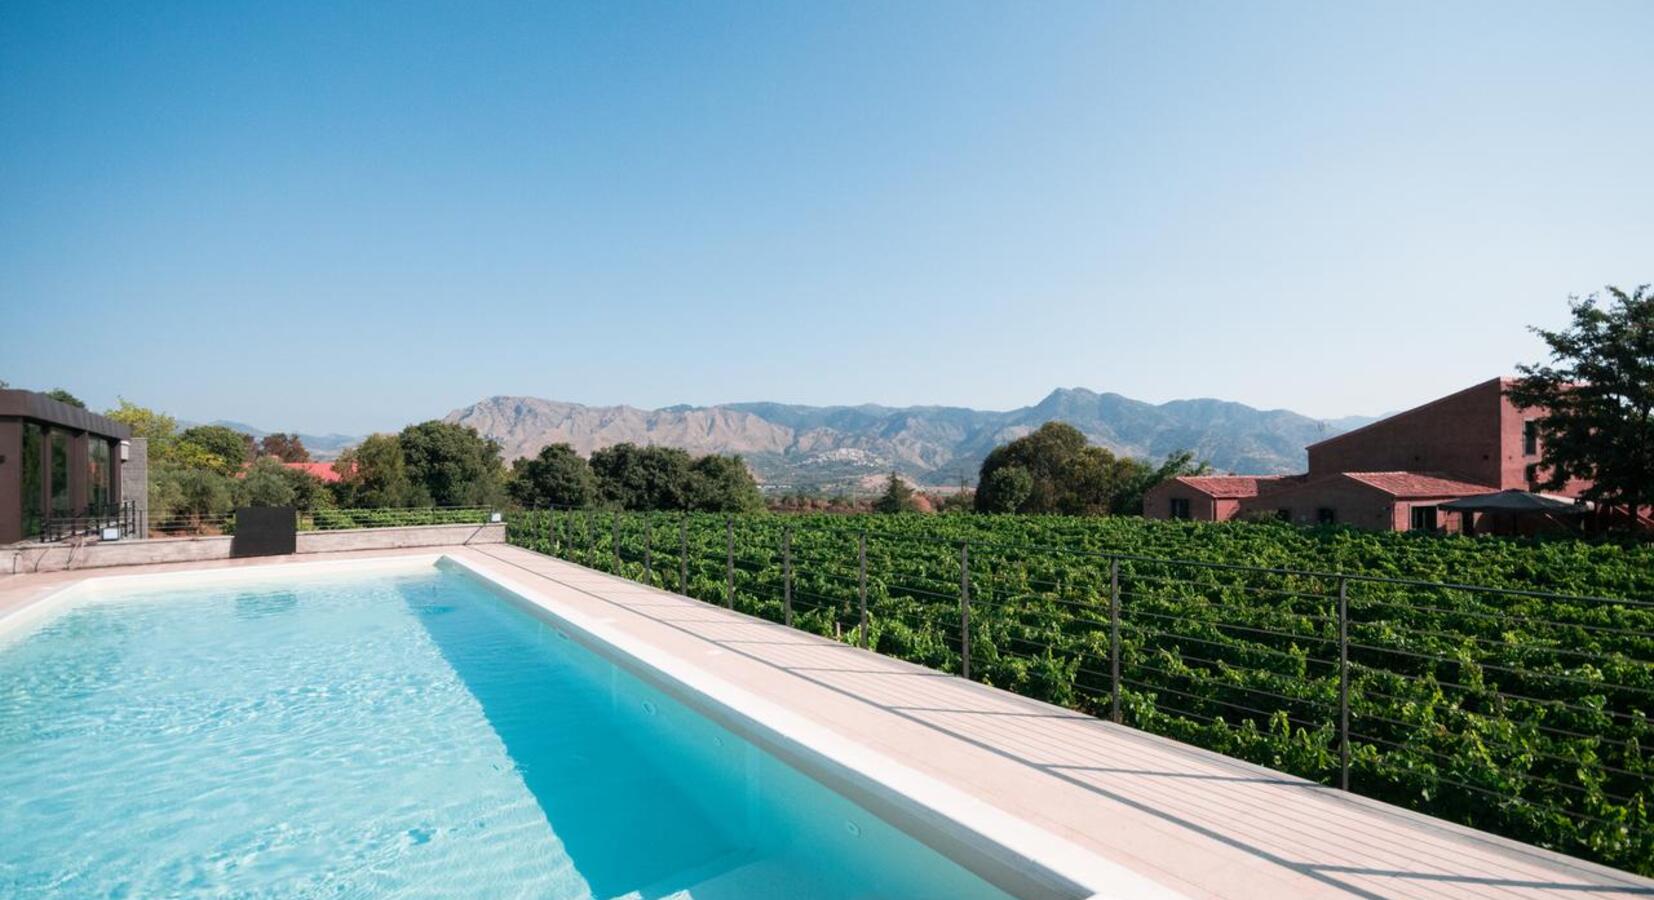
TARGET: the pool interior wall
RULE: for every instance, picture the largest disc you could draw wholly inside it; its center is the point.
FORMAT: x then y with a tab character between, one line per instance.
392	731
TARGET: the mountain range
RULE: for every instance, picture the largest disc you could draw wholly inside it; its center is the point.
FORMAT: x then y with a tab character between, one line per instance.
832	447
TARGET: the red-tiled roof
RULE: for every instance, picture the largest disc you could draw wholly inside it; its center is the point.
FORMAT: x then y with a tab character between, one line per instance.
1419	484
322	470
1230	487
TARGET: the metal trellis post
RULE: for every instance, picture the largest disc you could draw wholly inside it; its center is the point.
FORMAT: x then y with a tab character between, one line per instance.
787	575
861	584
965	609
1343	684
1114	639
729	562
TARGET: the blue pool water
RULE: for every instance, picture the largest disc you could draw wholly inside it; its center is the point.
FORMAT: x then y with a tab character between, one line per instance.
395	734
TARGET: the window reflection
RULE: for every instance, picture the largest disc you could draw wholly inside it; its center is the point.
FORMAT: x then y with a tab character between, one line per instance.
61	504
33	513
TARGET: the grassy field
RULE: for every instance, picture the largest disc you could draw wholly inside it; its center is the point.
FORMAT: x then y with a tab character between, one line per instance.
1502	684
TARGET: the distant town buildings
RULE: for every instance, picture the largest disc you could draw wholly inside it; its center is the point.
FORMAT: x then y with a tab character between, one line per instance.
1391	475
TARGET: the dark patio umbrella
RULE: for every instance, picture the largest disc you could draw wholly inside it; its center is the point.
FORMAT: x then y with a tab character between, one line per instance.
1514	501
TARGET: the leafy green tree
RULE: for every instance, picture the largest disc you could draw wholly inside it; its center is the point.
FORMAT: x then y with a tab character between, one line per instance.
270	483
184	492
1597	398
285	447
63	396
556	476
158	428
641	478
144	422
1004	490
373	473
897	497
722	484
222	449
265	484
452	465
1067	475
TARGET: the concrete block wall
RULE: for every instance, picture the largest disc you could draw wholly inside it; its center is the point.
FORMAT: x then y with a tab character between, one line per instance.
135	480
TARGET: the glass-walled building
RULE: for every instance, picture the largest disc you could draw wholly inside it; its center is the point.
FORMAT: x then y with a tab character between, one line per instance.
57	462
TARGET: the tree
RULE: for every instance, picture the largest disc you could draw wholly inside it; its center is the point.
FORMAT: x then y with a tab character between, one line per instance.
265	484
1597	399
178	492
270	483
556	476
373	473
722	484
1004	490
285	447
897	497
63	396
634	477
222	449
158	428
452	465
1065	474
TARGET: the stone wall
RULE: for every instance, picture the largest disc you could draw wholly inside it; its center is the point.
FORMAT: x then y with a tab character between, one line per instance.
23	559
135	479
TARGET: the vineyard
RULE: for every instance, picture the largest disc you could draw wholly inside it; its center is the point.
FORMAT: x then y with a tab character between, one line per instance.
1517	705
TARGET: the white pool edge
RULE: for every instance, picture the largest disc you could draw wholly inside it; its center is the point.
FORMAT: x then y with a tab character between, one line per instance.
1024	842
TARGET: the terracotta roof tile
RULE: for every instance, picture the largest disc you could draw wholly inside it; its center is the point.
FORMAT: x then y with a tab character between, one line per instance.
1419	484
322	470
1230	487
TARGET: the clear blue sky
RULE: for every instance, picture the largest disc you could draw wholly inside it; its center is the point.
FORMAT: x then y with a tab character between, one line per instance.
350	216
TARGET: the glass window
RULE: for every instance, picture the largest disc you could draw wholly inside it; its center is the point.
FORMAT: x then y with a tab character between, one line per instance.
1326	515
1424	518
1530	438
33	487
98	472
60	473
1180	508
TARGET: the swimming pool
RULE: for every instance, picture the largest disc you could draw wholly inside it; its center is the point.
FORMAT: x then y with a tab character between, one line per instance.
403	730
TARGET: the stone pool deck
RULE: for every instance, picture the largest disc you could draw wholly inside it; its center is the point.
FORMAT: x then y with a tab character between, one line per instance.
1192	822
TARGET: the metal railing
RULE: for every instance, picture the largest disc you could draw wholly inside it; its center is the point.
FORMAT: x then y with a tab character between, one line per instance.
59	526
1515	711
223	523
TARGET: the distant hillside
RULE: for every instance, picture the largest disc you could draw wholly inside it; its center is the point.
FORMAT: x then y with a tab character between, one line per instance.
840	446
321	446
